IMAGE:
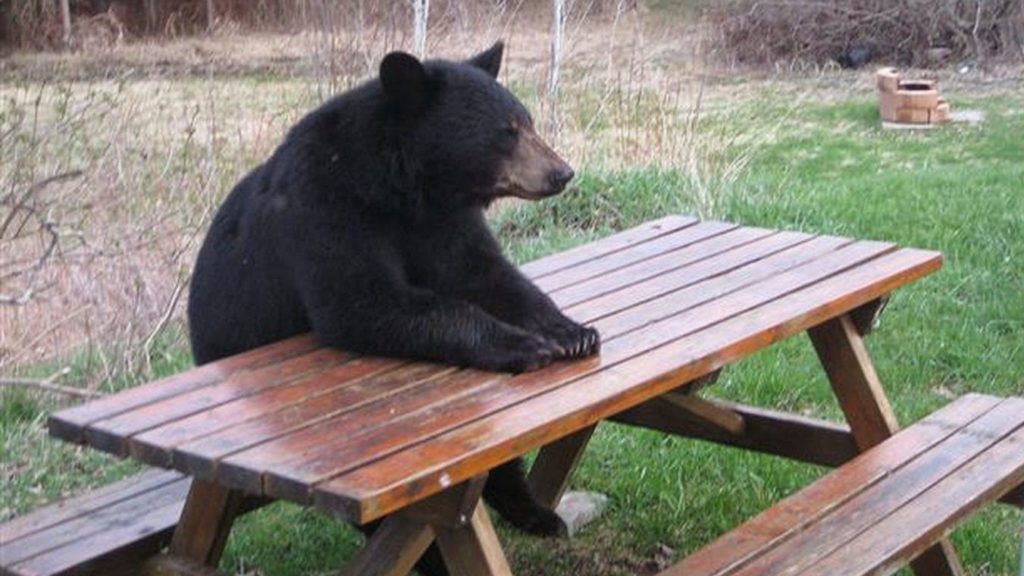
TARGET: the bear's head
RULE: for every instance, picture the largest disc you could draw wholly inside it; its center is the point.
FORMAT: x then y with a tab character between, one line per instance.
472	139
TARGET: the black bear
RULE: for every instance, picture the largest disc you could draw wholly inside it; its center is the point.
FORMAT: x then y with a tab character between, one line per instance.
367	227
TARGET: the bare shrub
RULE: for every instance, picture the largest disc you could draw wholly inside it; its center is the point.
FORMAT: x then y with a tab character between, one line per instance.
108	179
99	216
896	31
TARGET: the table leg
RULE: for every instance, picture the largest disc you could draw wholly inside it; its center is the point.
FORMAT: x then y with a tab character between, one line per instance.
549	476
459	522
473	549
206	522
859	391
394	548
550	473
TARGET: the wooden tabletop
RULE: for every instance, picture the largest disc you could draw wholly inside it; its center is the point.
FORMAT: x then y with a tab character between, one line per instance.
361	437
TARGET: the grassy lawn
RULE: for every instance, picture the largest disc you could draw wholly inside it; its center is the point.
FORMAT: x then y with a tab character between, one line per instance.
828	169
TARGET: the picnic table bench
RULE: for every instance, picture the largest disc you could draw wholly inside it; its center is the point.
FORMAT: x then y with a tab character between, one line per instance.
410	443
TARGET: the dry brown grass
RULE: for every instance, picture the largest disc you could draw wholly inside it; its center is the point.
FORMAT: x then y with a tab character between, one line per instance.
112	160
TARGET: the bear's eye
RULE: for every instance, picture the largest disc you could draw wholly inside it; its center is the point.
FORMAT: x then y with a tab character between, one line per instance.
510	130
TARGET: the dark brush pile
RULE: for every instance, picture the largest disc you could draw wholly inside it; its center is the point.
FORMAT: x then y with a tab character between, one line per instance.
926	33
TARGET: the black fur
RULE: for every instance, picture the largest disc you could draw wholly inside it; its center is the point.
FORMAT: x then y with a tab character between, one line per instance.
366	226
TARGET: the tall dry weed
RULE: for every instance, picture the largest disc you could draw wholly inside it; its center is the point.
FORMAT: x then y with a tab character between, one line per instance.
108	183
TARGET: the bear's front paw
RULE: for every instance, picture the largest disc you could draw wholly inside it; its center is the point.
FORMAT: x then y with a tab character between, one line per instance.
575	340
520	352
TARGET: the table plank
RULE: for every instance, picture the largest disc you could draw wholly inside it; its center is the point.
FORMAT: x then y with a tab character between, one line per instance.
777	251
787	250
97	522
639	252
157	406
368	492
110	434
201	456
155	445
607	245
69	424
304	457
736	239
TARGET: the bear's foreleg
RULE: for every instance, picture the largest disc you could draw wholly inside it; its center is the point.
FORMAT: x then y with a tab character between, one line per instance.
416	323
500	289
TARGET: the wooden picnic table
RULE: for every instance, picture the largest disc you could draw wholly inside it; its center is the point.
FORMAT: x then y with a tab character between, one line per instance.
365	438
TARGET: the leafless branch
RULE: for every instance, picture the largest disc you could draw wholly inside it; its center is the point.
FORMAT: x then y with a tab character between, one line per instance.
49	384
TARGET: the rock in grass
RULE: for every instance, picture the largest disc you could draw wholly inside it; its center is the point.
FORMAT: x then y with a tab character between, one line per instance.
577	509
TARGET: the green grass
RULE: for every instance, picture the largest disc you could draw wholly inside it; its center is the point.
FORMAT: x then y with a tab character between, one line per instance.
831	170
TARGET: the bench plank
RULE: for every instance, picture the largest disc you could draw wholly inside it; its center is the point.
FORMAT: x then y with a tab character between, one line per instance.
83	504
100	520
907	531
369	492
902	487
128	519
321	457
118	542
795	513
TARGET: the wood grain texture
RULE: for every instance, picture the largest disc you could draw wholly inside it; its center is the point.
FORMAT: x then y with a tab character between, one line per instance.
473	549
205	522
292	462
714	413
641	252
87	503
371	491
133	536
650	325
840	347
745	240
902	487
70	423
854	380
155	445
607	245
767	431
111	434
799	512
393	550
907	531
551	470
134	514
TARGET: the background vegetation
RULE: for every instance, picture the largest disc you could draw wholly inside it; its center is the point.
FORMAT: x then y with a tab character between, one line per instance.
113	156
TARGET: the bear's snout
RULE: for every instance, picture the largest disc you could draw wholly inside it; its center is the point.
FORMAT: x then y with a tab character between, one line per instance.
534	170
560	177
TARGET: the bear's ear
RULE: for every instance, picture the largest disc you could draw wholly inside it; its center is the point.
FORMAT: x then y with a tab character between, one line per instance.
489	60
404	80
